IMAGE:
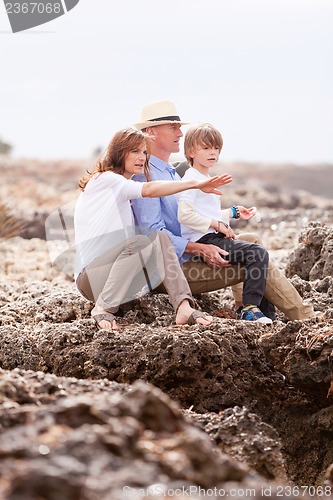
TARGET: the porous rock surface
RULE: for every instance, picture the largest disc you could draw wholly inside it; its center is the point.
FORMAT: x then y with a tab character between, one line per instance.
46	327
313	257
263	395
243	435
74	439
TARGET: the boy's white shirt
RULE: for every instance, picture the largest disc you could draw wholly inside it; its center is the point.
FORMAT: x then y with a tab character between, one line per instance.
196	209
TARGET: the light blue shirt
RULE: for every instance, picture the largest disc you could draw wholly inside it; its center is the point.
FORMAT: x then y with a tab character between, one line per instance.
160	214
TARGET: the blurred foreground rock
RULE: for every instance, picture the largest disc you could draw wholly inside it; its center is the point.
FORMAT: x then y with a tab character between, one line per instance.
74	440
244	436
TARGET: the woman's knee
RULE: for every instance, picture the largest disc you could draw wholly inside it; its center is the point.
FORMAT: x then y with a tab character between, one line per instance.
138	242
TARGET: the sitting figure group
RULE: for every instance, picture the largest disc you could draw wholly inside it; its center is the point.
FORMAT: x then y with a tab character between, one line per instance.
133	228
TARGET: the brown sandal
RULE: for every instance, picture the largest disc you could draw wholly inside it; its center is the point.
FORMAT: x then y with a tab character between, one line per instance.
192	320
106	316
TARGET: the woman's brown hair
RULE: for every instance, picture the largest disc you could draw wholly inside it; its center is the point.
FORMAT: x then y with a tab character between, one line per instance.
113	159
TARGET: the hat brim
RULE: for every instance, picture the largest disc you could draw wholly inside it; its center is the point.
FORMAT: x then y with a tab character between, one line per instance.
143	125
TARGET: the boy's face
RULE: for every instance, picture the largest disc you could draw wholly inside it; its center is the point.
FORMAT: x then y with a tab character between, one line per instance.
205	156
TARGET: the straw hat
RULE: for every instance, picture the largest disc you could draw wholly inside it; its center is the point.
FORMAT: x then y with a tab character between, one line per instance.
159	113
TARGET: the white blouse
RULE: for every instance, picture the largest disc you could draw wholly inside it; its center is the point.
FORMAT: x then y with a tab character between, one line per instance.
103	216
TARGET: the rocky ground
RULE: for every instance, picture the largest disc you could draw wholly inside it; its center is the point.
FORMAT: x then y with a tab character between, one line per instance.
235	408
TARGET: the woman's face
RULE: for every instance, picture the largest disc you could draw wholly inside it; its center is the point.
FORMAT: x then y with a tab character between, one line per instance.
135	161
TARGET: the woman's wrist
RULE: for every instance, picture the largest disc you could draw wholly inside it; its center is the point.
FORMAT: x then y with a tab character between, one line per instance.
194	183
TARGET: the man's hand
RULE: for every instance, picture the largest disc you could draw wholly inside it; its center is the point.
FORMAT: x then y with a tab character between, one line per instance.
212	183
211	254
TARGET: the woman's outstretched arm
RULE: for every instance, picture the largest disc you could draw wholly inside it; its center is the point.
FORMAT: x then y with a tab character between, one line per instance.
154	189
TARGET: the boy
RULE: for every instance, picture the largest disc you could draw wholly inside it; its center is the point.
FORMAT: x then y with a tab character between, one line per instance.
203	221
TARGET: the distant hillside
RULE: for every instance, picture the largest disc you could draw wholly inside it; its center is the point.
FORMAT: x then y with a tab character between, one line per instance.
316	179
37	183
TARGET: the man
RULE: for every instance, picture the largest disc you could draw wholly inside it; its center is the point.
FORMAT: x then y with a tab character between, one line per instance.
211	271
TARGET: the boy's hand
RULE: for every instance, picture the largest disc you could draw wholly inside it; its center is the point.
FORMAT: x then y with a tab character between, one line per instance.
246	213
212	183
226	230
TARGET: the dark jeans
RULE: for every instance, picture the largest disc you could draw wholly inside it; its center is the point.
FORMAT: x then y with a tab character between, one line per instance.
255	261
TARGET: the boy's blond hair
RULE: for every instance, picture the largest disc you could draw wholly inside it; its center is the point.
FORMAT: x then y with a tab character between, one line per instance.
200	135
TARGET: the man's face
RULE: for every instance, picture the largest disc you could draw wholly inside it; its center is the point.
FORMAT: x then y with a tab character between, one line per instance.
167	137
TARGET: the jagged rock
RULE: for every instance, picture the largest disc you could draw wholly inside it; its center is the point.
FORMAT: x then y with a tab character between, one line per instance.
46	326
303	355
327	255
302	286
302	261
245	437
20	387
313	258
223	360
43	302
314	234
325	286
324	419
104	443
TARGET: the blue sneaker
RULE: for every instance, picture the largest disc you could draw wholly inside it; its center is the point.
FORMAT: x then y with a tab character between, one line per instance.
253	313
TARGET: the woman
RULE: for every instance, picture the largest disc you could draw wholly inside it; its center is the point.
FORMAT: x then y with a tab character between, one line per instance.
111	258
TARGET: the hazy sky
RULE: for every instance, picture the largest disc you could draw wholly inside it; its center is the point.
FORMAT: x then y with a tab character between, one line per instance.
259	70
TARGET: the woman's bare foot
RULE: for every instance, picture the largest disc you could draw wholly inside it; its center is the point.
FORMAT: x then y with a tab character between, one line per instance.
104	319
187	315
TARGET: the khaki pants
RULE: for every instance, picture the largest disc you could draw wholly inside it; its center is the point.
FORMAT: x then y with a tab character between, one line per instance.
279	290
117	276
